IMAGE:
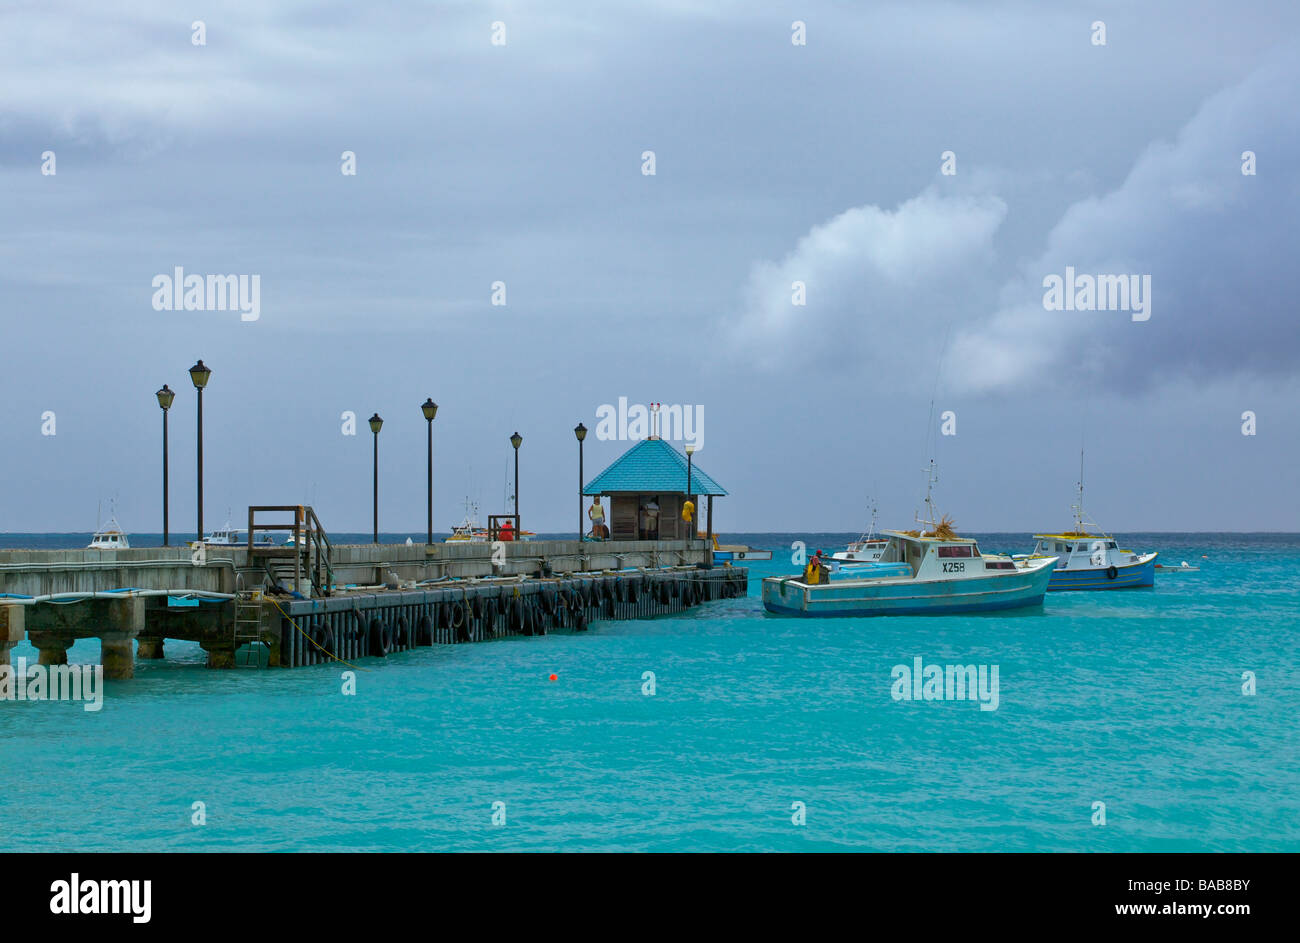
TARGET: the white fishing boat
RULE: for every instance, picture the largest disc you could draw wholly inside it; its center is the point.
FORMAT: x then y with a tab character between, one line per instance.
1089	558
934	572
921	572
230	536
1183	567
868	548
110	536
469	530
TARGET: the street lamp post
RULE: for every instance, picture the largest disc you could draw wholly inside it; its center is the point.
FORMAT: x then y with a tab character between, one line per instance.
516	440
199	374
430	409
690	533
375	425
165	397
581	432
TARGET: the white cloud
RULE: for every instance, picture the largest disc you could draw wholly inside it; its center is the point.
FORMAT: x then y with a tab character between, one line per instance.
877	281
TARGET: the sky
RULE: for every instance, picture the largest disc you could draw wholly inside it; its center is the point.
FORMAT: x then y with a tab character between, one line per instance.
910	172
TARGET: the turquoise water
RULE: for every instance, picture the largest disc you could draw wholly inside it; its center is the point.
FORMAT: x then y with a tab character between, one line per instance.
1131	698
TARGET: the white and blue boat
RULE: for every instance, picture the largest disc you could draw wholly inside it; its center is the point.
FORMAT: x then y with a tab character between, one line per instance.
931	573
1093	561
868	548
1088	560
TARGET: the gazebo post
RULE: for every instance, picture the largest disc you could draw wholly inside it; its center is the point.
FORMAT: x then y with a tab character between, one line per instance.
709	539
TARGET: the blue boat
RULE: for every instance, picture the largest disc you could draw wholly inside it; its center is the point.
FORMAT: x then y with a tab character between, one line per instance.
739	553
1091	560
933	573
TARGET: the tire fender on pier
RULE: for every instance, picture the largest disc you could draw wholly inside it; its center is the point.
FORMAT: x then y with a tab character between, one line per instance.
381	638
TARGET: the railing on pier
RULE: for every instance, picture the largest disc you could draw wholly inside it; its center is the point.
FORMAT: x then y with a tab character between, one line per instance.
309	545
495	532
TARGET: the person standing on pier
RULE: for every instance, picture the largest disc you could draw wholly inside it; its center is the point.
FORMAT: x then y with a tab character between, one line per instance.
597	515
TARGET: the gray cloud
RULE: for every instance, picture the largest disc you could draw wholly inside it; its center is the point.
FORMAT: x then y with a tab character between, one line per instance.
521	163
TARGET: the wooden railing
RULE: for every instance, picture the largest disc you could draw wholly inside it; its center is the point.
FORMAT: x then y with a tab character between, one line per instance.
309	545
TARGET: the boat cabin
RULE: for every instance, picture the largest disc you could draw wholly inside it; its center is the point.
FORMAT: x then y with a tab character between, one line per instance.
940	557
1082	550
109	540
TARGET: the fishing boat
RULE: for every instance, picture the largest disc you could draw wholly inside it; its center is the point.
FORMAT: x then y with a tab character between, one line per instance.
1089	558
227	535
728	553
110	536
469	530
933	572
1183	567
921	572
868	548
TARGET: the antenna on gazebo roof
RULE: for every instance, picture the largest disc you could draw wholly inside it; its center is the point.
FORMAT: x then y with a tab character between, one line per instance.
654	420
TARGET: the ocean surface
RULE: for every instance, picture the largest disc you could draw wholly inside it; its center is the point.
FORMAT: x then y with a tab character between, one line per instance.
1130	698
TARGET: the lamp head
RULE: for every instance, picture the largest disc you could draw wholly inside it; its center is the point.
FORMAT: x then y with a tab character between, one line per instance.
199	373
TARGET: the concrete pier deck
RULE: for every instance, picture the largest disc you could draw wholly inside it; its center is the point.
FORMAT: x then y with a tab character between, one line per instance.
382	598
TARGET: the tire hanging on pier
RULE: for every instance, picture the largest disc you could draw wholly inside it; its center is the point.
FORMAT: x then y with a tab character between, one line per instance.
548	599
489	620
424	634
402	633
517	617
381	638
460	621
323	636
632	591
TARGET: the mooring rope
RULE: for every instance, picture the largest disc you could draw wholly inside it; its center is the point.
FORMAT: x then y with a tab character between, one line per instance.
275	603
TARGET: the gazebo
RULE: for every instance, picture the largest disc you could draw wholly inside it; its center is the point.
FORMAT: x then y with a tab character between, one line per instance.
646	487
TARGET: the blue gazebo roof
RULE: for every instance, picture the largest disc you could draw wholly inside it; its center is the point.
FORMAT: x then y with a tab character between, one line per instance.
652	466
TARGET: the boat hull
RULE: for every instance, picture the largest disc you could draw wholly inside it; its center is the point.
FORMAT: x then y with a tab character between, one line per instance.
727	556
1129	576
906	597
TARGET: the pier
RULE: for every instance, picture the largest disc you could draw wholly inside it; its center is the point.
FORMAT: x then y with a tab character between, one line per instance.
307	602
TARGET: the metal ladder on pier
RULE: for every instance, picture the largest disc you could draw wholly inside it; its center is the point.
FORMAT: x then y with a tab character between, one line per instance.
248	626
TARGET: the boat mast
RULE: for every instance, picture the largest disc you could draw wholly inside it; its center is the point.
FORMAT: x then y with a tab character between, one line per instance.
1078	508
930	480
